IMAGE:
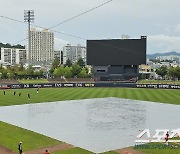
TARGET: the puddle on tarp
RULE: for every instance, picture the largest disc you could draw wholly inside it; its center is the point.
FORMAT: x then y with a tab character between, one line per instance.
97	125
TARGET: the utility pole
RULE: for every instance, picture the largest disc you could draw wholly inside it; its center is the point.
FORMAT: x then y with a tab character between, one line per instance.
29	17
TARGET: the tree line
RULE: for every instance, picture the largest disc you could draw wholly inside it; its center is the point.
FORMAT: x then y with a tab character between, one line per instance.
69	70
172	73
19	72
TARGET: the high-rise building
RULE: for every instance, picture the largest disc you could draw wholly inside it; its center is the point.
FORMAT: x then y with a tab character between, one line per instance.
12	56
42	47
74	53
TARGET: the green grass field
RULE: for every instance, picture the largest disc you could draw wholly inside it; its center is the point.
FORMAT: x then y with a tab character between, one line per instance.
11	135
57	94
161	151
160	148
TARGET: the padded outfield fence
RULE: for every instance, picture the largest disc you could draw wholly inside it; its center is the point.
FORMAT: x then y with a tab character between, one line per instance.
96	84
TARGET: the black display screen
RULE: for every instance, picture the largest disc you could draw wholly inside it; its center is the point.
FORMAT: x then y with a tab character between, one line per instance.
116	52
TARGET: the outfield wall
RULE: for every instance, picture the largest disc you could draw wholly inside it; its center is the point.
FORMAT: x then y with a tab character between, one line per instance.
96	84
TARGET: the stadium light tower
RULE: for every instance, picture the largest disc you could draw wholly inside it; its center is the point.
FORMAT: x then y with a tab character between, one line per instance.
29	17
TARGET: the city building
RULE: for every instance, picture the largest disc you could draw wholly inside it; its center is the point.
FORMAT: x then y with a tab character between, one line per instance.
41	47
170	57
13	56
145	71
59	55
74	53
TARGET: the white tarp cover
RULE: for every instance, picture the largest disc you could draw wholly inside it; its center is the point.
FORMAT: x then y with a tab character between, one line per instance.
97	125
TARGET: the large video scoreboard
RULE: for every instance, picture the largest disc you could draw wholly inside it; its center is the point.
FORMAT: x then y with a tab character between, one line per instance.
116	52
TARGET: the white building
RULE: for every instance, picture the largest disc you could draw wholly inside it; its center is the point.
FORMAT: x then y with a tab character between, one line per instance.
74	53
42	47
170	57
59	55
12	56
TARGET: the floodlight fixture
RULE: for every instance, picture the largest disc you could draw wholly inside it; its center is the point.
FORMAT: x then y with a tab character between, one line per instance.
29	17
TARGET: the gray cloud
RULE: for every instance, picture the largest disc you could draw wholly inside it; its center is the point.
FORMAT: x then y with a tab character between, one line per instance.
163	43
59	44
177	28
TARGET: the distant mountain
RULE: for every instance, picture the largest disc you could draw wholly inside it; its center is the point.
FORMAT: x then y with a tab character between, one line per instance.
163	54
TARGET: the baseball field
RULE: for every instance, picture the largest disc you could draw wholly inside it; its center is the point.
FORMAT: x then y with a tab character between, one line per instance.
11	135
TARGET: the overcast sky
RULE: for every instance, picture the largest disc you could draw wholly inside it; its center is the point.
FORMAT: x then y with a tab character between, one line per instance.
159	20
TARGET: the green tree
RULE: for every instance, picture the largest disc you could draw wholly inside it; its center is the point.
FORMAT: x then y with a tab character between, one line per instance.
68	72
162	71
81	62
55	64
29	72
22	74
68	63
83	73
4	74
154	60
177	72
58	72
38	73
21	68
10	75
171	72
76	69
0	75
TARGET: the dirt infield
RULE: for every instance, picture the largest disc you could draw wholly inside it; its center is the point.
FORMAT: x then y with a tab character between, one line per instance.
128	151
4	150
64	146
59	147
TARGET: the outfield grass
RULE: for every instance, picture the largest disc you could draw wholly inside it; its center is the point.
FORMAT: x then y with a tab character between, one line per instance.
29	81
11	135
58	94
160	149
158	81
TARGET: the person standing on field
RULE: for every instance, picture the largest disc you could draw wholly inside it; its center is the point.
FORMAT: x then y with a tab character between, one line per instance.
46	152
20	147
167	138
29	96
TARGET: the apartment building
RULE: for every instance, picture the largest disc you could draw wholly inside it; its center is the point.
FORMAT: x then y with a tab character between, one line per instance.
13	56
74	53
59	55
41	47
